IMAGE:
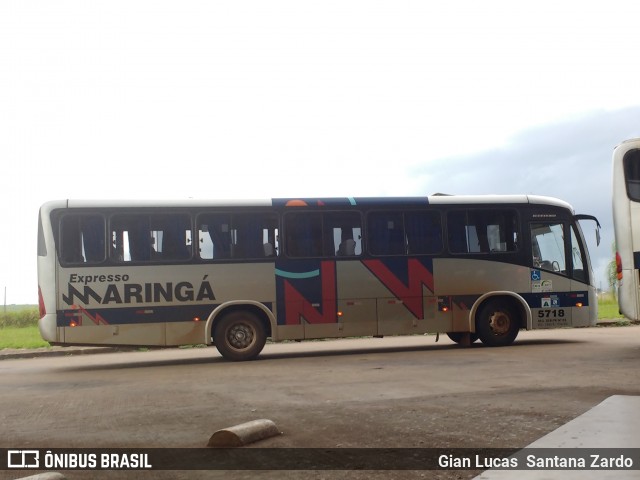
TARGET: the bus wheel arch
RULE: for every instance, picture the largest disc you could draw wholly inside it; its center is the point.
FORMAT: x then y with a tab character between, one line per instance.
239	331
499	316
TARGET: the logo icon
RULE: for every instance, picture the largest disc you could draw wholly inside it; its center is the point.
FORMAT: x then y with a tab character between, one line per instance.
23	459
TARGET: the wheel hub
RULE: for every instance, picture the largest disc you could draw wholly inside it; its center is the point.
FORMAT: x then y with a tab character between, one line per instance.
500	323
240	336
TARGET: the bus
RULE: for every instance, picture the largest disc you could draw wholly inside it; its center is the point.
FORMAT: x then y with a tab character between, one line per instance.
626	224
236	273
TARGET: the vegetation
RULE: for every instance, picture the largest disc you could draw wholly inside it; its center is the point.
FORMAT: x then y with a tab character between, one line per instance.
19	327
608	307
19	316
21	337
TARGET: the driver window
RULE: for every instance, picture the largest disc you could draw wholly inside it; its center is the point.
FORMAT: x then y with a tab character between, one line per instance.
547	243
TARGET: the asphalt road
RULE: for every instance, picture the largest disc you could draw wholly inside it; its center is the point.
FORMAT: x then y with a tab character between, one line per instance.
390	392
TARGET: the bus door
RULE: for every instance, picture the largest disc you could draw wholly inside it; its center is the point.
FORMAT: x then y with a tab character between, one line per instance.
580	301
584	301
551	283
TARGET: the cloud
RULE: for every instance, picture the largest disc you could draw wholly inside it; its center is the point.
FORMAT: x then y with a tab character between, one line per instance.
570	160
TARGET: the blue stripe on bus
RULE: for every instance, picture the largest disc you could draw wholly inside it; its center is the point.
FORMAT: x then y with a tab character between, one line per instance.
534	300
636	260
297	276
137	315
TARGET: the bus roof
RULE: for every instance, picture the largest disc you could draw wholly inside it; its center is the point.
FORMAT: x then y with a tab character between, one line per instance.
630	140
490	199
438	199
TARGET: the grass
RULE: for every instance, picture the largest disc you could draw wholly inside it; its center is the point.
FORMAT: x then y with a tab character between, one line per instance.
19	325
608	307
21	337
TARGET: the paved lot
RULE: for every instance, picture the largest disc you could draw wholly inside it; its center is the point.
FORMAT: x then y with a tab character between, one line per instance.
391	392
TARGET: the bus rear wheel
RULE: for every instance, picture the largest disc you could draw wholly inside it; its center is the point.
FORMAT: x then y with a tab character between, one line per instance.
497	323
239	336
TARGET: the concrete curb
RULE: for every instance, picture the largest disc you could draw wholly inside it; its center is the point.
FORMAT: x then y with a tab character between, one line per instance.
16	353
244	434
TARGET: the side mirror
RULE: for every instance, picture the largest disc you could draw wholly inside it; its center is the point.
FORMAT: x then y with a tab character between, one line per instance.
591	217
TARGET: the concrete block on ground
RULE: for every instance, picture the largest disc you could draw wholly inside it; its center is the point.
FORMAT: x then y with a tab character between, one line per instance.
244	434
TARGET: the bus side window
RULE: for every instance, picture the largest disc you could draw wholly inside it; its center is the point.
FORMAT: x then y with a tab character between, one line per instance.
463	237
255	235
214	236
501	231
270	245
303	234
71	240
385	233
131	239
171	236
343	234
482	231
82	239
424	232
631	164
239	236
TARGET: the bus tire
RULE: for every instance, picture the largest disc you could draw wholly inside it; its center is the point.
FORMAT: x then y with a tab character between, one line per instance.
458	337
239	336
497	323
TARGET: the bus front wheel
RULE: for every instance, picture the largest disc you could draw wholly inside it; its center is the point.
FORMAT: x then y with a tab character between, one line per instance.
497	323
239	336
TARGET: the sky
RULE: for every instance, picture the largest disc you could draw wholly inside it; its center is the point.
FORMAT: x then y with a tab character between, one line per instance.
231	99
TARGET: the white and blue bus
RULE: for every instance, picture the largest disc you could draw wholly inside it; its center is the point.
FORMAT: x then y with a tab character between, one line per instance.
626	222
233	274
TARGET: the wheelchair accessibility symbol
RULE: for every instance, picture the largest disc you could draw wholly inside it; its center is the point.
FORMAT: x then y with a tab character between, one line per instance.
535	275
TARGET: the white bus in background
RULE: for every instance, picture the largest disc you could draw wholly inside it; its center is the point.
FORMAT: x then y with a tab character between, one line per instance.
232	274
626	222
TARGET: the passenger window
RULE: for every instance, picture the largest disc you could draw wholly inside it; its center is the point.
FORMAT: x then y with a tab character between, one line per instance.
482	231
343	234
385	233
214	236
151	238
631	165
82	239
400	233
304	234
424	232
254	236
240	236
